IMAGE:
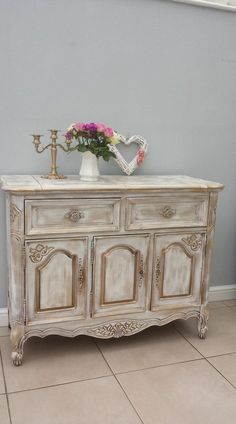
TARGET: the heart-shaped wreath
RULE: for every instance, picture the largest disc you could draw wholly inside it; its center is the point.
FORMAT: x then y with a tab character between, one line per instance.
129	167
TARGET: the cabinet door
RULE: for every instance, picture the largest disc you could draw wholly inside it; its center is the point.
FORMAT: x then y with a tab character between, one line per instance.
120	274
177	276
56	280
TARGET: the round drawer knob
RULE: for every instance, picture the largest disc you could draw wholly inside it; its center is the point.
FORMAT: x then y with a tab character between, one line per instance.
168	212
74	215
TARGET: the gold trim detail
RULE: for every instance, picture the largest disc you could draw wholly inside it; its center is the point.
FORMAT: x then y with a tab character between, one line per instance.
157	271
75	275
194	242
38	253
141	270
81	273
168	212
118	329
192	259
14	212
136	254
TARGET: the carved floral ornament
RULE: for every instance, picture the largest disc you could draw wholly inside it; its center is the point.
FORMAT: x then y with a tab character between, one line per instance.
194	242
14	212
117	329
39	252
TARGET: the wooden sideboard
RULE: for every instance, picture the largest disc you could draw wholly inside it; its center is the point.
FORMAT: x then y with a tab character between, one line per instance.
109	258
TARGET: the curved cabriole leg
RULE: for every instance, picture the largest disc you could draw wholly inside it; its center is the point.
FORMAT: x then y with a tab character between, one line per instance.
17	357
17	339
202	322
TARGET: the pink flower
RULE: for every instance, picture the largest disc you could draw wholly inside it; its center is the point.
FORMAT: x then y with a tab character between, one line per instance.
101	127
68	135
92	127
78	126
140	157
108	132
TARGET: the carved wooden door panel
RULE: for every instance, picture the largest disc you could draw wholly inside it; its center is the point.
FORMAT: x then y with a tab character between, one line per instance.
120	274
56	279
177	273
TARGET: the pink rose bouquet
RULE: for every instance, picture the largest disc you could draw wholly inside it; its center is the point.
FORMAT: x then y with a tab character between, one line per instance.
93	137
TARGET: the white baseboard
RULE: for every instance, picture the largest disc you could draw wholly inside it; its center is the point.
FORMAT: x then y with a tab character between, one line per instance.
3	317
227	292
216	293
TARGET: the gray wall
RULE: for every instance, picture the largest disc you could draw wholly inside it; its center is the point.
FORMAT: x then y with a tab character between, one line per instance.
161	69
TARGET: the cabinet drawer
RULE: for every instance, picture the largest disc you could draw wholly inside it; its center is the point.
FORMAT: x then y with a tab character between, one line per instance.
71	216
166	211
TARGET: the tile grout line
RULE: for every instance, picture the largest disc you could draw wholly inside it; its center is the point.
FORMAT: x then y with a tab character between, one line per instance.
219	307
159	366
102	376
221	354
204	357
113	374
178	331
58	384
220	373
136	412
5	385
232	308
228	304
223	306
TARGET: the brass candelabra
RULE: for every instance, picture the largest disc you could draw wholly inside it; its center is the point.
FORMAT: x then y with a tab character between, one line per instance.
53	175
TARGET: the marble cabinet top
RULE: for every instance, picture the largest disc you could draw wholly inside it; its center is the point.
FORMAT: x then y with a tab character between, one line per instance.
35	183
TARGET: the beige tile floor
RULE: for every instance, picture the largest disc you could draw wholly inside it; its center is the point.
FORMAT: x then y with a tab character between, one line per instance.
164	375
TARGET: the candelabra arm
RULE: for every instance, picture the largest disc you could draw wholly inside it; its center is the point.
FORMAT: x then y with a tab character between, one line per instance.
66	149
40	149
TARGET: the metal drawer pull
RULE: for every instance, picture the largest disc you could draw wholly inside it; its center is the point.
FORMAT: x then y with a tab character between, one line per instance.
74	215
141	271
81	274
157	272
168	212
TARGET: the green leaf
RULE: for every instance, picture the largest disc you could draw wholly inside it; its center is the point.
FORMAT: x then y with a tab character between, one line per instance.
99	149
82	148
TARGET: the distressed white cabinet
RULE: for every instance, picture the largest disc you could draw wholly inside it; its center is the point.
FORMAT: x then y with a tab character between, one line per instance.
120	274
55	279
178	260
107	259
